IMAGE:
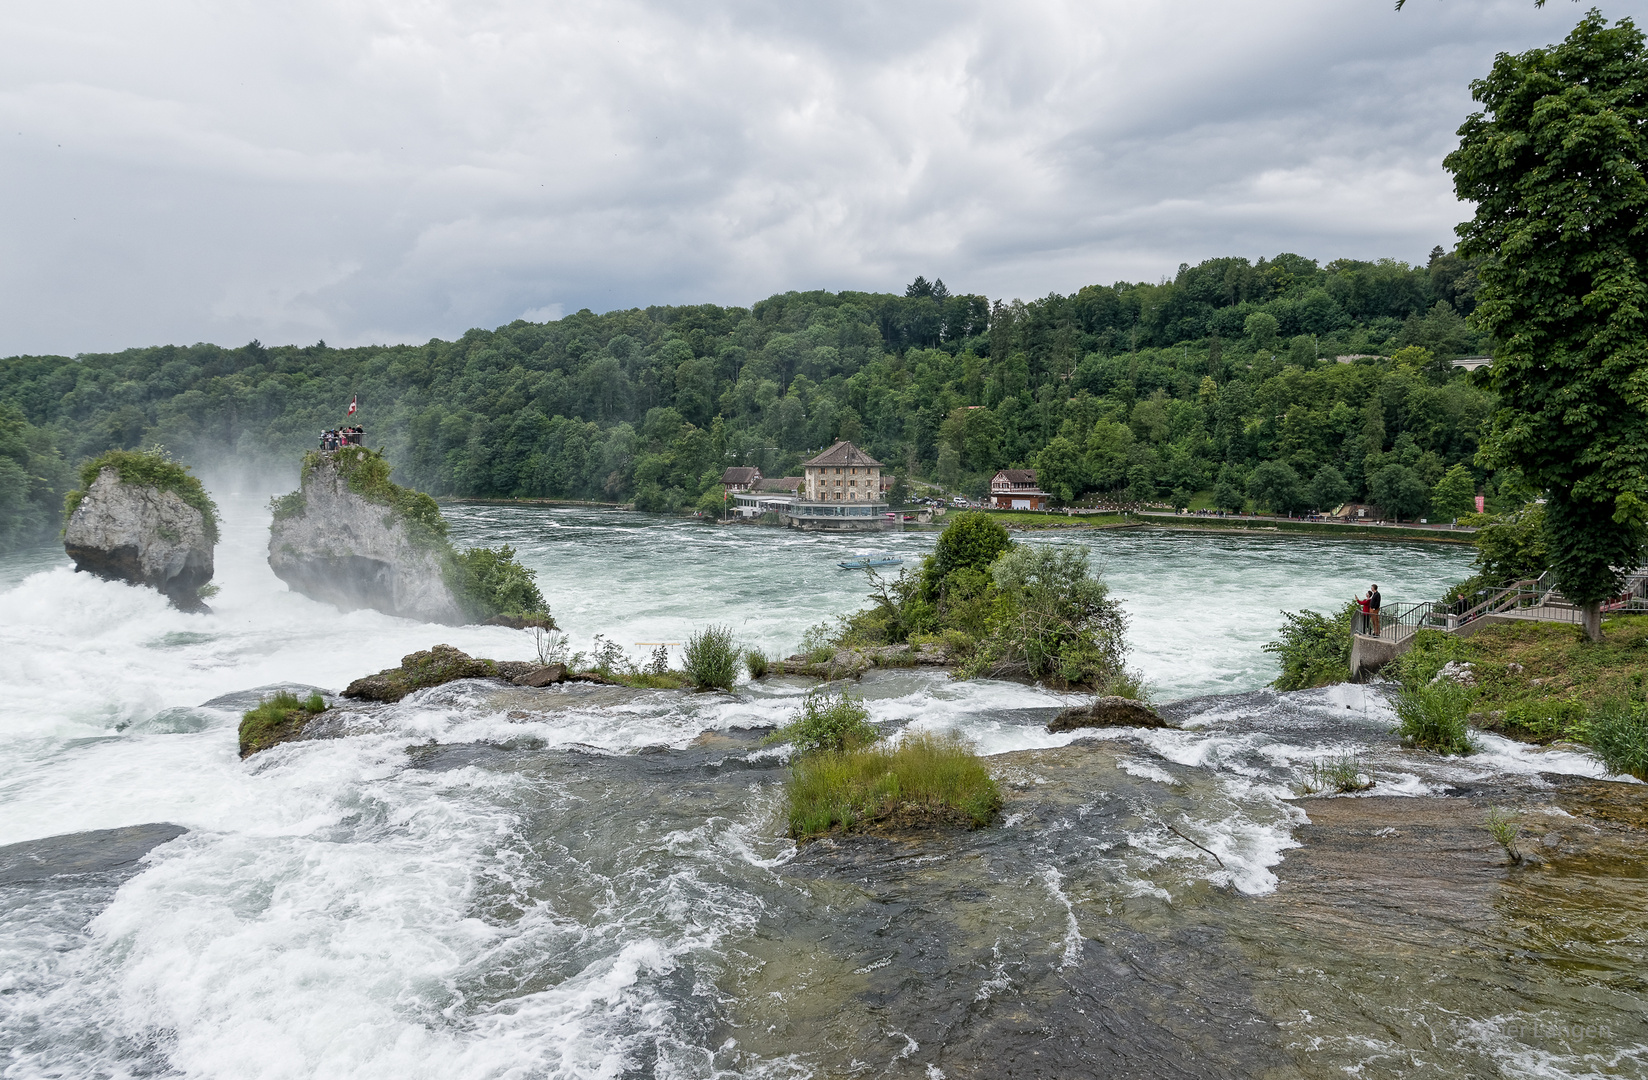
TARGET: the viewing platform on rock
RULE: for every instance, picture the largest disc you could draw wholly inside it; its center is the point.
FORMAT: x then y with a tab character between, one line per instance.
1533	600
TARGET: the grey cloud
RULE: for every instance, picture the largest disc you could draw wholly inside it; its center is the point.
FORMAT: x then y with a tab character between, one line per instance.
383	170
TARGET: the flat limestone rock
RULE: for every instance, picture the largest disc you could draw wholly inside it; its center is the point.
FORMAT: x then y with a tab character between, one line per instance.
545	675
142	535
853	663
75	854
1107	712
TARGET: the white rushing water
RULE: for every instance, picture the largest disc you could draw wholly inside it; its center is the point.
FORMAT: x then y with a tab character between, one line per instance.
332	912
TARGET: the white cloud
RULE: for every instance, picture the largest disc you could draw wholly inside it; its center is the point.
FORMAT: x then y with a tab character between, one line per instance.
395	169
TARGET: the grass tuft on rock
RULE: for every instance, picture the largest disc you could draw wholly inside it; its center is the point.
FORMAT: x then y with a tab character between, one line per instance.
1618	733
1433	717
711	658
1342	775
1505	827
924	780
147	468
755	661
276	720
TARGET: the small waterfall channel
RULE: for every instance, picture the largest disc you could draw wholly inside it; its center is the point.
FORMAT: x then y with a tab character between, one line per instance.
587	881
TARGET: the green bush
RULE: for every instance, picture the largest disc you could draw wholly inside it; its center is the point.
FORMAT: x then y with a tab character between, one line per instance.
1341	775
1429	652
1002	610
1051	620
1543	720
925	779
289	505
1127	684
818	644
1433	717
492	583
971	541
711	659
828	723
277	719
148	468
1618	734
756	662
1314	649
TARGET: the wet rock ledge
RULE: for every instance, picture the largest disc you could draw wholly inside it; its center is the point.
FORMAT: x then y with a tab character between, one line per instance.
417	671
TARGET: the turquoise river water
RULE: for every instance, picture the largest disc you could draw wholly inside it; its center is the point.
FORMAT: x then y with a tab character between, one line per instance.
589	881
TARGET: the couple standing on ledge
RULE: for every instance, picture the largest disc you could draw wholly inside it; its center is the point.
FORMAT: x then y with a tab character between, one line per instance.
1370	611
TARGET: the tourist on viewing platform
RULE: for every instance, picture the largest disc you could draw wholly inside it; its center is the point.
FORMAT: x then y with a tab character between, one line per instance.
1373	607
1362	620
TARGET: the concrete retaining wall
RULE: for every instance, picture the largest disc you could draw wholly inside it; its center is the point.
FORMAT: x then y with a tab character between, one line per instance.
1369	654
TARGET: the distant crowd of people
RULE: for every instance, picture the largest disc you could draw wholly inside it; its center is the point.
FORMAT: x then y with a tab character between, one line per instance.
339	437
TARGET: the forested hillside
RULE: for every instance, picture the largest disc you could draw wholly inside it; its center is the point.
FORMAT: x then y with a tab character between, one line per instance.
1222	379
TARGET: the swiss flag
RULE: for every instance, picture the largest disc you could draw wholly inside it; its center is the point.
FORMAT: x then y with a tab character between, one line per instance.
353	404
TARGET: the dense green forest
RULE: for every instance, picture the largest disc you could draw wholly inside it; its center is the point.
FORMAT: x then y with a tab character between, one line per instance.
1222	381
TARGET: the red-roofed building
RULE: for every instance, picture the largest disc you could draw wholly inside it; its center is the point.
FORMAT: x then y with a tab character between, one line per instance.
1016	489
740	478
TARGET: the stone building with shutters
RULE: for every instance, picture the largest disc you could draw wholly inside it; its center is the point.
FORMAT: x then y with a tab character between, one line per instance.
841	491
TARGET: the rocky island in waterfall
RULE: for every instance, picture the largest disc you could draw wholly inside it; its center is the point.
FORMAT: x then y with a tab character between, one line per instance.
352	538
142	518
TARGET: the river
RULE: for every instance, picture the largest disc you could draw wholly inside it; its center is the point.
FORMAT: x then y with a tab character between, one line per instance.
590	881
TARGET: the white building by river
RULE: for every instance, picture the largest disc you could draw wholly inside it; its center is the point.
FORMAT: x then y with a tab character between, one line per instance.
841	492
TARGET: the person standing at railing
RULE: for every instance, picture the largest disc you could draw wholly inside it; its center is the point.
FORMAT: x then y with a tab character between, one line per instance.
1361	603
1374	600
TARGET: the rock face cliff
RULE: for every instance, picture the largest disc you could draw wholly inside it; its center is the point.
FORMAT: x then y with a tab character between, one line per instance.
143	534
340	546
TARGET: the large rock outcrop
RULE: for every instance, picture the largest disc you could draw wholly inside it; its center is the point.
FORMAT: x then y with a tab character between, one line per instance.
141	533
345	547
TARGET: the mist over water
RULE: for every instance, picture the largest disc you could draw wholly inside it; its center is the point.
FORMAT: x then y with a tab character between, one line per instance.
591	881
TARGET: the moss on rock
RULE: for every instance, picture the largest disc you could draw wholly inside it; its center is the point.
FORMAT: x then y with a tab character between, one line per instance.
278	719
419	671
144	468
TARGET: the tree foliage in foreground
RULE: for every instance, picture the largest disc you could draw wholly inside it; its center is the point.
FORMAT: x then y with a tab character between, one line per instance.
1554	164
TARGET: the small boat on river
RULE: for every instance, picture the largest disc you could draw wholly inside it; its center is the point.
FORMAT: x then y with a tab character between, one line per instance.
867	562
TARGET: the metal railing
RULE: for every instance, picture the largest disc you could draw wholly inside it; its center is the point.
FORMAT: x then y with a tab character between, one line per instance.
1535	598
1397	622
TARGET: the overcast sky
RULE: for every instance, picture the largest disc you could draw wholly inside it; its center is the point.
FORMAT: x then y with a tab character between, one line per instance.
391	170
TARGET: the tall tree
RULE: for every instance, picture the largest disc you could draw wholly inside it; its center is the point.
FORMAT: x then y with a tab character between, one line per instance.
1555	166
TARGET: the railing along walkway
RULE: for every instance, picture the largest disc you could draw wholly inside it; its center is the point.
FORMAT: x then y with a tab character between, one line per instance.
1535	600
